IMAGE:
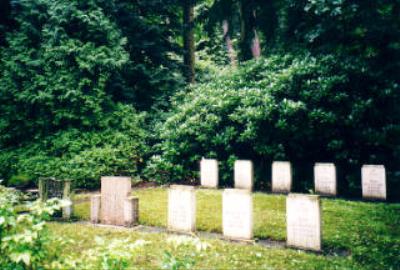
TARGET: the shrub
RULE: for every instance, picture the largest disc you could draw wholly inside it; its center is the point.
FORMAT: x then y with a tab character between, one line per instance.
83	156
24	239
298	108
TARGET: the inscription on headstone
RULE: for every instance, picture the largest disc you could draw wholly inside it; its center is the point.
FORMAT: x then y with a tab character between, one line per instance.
281	176
209	173
54	188
244	174
181	208
237	214
114	192
303	218
373	182
325	179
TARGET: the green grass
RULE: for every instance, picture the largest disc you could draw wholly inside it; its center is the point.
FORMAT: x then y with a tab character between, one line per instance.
369	231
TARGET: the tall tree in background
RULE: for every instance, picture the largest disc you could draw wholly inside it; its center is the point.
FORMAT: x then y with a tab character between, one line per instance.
188	40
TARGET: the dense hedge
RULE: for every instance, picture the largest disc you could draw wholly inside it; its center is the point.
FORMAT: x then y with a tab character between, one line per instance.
83	156
303	109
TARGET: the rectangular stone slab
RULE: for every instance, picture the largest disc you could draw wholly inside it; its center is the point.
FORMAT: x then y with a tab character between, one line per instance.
325	179
181	208
281	176
95	203
373	182
237	214
209	173
244	176
131	211
114	191
303	221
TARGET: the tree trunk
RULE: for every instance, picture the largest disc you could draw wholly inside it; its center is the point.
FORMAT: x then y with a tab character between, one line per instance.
249	41
229	46
188	40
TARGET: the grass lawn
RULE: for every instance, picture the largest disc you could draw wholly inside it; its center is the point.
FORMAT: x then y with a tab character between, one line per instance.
370	232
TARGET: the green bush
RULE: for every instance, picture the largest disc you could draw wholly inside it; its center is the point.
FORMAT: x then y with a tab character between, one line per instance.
298	108
83	156
24	239
20	181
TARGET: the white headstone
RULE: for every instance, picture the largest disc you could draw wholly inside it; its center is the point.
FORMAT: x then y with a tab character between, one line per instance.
244	174
281	176
114	192
182	208
325	179
373	182
209	173
303	218
237	214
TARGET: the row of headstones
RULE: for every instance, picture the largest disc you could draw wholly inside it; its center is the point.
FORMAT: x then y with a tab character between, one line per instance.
373	177
116	206
303	215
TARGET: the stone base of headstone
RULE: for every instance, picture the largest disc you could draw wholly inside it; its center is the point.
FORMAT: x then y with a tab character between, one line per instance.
67	211
95	204
303	221
237	214
131	211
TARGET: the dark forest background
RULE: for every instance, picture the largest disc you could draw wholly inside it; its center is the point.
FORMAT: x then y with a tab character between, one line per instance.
148	88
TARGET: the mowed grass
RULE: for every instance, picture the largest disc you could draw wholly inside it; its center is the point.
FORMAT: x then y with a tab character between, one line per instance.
368	231
219	255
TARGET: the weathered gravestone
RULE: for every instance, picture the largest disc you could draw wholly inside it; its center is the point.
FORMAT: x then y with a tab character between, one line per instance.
373	179
209	173
54	188
303	221
244	174
281	176
237	214
181	208
115	206
325	179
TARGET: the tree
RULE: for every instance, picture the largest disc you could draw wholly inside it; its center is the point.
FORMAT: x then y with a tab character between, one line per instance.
188	40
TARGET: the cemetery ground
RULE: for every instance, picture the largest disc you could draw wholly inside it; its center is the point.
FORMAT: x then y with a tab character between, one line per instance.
356	235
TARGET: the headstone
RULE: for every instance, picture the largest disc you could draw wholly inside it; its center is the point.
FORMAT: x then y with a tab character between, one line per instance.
181	208
373	182
281	176
131	211
303	218
54	188
114	192
244	174
95	203
209	173
325	179
237	214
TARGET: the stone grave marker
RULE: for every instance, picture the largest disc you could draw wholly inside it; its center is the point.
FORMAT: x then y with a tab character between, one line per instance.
373	179
237	214
281	176
244	176
181	208
114	192
209	173
53	188
325	179
95	203
303	221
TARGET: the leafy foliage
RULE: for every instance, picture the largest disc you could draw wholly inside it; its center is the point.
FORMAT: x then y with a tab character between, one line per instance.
83	157
303	109
24	239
